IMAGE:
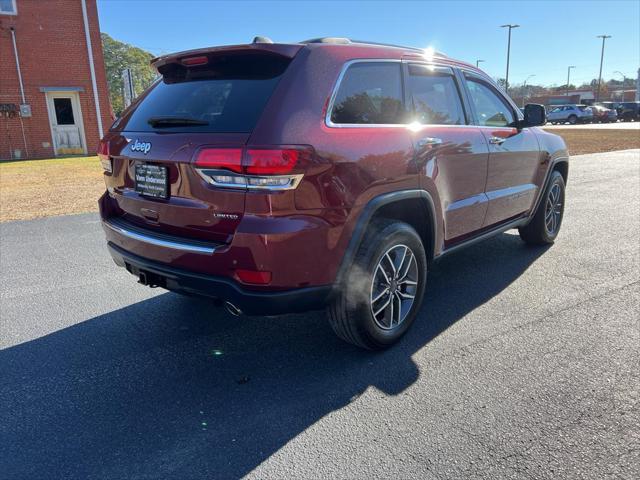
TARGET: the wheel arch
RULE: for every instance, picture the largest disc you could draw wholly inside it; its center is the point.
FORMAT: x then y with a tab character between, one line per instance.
415	207
558	164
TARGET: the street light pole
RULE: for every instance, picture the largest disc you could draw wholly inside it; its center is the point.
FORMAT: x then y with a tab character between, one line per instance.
478	62
568	74
510	27
603	37
624	80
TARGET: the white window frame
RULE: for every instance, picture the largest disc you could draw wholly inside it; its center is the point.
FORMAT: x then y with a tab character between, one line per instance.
15	9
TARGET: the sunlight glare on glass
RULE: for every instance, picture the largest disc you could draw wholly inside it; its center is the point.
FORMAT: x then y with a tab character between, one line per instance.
429	52
414	126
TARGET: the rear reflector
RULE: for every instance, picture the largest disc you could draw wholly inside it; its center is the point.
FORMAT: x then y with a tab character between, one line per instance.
103	155
254	276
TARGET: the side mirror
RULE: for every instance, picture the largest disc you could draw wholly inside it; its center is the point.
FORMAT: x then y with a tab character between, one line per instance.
534	115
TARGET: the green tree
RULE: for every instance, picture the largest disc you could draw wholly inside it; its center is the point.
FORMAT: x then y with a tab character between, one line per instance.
117	57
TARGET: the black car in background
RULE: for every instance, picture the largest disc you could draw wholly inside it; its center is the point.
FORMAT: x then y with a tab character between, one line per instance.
627	111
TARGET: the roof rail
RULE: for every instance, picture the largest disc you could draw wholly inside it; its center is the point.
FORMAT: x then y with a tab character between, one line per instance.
343	41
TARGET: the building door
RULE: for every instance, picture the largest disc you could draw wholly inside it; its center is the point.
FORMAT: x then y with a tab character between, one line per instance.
65	118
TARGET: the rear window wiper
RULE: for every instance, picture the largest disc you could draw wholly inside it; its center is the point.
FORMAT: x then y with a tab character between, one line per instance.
159	122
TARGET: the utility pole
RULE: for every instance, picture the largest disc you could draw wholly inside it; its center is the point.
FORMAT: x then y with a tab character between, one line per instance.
510	27
568	74
603	37
478	62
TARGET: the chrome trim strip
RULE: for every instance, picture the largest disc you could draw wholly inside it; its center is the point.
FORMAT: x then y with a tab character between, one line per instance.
511	192
243	184
467	202
185	247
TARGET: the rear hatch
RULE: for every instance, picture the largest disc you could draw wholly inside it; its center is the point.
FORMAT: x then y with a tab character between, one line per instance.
205	98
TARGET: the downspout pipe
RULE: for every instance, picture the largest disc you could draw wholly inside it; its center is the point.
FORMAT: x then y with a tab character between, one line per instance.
92	67
15	53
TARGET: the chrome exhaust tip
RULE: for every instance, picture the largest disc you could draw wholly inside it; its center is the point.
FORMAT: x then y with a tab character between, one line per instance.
232	309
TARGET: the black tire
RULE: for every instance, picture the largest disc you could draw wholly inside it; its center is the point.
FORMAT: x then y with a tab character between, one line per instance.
351	312
538	231
572	119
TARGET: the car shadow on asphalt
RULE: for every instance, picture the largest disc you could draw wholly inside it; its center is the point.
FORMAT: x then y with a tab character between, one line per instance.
174	387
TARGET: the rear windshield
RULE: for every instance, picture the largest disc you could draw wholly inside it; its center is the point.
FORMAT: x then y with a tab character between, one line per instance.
582	108
225	96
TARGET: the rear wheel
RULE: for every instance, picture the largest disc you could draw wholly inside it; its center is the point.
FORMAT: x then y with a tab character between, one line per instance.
545	224
382	292
573	119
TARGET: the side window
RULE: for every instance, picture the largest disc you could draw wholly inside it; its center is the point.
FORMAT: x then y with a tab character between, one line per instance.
492	110
370	93
433	96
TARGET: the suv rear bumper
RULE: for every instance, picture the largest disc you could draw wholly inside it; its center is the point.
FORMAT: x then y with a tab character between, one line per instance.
249	301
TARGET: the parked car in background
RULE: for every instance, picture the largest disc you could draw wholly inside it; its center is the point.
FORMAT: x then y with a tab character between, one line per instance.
617	106
629	111
328	173
570	113
603	114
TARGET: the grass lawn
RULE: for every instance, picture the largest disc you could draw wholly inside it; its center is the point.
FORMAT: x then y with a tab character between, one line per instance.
583	140
41	188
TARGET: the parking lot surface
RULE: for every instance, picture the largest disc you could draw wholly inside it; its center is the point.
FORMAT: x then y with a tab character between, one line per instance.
524	363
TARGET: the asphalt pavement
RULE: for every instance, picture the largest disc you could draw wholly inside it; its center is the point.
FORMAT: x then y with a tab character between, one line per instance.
524	363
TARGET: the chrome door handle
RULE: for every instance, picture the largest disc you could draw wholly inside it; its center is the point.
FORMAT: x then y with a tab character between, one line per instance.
423	142
497	140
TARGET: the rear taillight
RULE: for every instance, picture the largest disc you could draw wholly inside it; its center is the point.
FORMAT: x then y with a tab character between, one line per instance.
103	155
273	169
271	161
227	158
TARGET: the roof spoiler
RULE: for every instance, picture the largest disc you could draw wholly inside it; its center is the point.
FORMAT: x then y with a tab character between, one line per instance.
259	46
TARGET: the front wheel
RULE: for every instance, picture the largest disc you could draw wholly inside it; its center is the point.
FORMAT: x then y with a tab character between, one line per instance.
545	224
573	119
381	294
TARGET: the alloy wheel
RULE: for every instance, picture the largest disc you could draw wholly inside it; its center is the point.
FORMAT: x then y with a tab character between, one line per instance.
394	286
553	210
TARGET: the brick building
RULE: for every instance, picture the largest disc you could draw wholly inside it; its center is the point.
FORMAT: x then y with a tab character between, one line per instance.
53	94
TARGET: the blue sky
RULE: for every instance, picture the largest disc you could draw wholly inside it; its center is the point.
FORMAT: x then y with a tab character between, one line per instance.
553	34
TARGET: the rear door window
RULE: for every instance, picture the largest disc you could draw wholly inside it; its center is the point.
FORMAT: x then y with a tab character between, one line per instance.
433	96
370	93
227	95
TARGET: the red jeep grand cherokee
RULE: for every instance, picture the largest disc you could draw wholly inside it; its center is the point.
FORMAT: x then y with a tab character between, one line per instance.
328	173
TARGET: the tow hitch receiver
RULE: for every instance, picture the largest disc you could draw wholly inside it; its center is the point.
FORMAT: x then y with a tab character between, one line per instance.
149	279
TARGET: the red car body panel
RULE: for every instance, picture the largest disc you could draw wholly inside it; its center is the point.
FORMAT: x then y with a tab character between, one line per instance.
301	235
